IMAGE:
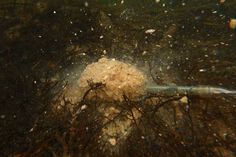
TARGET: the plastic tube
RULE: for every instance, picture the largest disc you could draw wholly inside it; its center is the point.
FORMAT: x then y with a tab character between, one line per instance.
190	90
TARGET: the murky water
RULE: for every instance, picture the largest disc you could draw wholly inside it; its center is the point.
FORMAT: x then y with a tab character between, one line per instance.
45	45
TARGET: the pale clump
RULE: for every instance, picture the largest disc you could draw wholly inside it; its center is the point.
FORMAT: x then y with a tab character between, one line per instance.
118	125
118	78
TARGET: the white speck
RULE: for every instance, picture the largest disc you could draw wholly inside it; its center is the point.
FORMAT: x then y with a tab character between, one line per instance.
144	52
112	141
75	34
92	29
35	82
142	137
40	36
31	130
225	135
163	4
183	4
169	36
160	134
113	59
122	2
71	22
214	12
83	107
54	12
202	70
86	128
104	52
101	37
86	4
150	31
3	116
157	1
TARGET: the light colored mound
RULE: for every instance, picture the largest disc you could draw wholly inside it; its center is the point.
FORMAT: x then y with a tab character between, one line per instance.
119	79
118	125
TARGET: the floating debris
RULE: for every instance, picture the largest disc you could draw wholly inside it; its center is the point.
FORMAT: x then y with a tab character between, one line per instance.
184	100
222	1
112	141
83	107
86	4
232	23
150	31
2	116
144	53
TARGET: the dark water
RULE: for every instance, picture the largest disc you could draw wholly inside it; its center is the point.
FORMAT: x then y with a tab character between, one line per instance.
43	44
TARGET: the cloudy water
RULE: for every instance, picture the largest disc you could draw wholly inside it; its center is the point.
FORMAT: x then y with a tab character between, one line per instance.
117	78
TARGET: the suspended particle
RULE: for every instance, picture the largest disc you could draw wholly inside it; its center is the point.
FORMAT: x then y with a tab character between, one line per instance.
222	1
86	4
150	31
232	23
112	141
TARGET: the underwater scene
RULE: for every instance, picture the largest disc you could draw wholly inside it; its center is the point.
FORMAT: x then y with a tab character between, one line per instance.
118	78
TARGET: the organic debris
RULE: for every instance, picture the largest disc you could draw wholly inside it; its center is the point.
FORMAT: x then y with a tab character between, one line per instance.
115	78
